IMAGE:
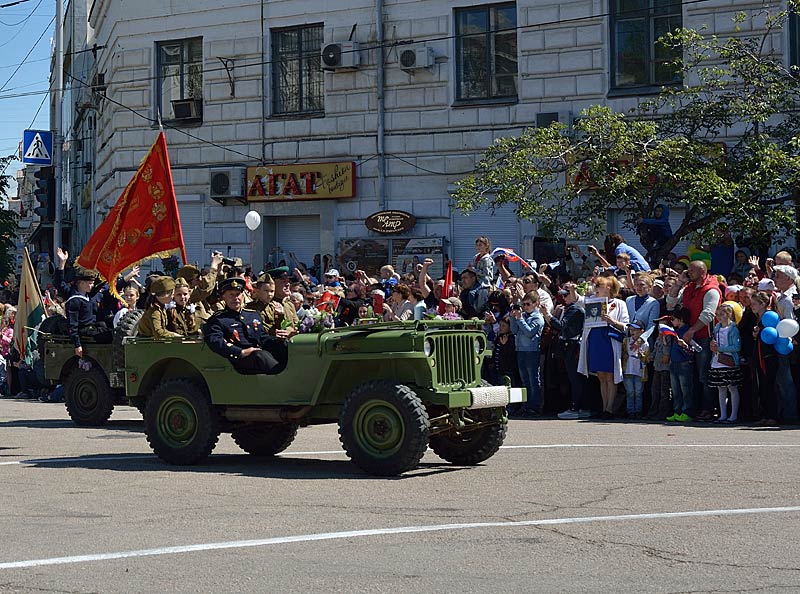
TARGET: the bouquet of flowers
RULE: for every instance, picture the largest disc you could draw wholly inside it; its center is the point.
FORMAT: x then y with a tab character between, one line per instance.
313	320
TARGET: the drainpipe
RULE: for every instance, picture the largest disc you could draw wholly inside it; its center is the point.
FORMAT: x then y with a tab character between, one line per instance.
58	134
263	89
380	97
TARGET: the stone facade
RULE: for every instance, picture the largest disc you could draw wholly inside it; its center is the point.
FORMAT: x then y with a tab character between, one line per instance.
431	139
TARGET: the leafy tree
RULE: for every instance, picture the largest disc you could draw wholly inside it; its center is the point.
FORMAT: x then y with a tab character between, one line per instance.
8	225
724	145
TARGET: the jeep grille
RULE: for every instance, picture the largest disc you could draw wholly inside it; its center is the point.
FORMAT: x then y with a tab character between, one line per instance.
455	359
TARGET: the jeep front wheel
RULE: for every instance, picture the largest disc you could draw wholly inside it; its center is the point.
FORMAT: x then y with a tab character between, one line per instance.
384	428
265	439
89	397
470	447
180	423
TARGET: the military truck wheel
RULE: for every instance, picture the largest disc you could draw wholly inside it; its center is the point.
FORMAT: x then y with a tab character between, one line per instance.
89	397
180	423
468	448
265	439
384	428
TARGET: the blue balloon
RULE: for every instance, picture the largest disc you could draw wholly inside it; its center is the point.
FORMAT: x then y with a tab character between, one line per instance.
770	319
784	346
769	335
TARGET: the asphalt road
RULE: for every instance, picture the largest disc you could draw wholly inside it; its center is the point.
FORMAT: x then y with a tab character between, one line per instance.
566	507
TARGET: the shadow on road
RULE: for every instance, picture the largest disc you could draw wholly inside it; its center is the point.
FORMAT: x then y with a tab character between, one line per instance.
280	467
132	425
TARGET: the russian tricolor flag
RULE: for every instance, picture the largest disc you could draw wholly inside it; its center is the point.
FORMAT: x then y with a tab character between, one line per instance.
667	330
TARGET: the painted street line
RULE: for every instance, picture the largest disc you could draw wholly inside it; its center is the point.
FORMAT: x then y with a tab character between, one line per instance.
243	544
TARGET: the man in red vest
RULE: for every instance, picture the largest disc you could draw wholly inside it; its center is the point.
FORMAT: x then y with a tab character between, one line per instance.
702	296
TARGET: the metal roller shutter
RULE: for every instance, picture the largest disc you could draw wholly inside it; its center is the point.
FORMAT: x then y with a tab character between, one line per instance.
502	227
300	236
192	226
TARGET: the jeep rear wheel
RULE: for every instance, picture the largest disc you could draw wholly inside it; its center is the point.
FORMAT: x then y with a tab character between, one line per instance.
384	428
265	439
470	447
89	397
180	423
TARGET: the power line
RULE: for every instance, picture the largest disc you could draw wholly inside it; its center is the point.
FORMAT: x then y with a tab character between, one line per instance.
14	3
23	21
390	45
46	29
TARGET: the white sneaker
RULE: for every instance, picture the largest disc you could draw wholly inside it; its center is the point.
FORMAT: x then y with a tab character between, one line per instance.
569	415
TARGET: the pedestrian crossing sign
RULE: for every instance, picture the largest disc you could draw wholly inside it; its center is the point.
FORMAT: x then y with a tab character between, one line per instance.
37	147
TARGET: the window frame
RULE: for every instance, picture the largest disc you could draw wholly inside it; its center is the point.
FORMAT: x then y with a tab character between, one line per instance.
301	57
489	59
649	14
184	66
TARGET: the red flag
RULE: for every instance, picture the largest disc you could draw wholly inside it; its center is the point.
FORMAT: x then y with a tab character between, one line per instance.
143	224
448	285
327	302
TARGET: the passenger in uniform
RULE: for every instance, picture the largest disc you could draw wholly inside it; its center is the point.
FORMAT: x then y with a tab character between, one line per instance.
155	320
80	313
202	285
281	307
182	316
241	337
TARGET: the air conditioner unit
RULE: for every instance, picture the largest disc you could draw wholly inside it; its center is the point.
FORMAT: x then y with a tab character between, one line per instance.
226	183
187	109
340	55
416	57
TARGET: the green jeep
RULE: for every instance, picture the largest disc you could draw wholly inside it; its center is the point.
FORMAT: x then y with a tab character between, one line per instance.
393	388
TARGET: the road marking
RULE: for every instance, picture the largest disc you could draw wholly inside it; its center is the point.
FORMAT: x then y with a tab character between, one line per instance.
547	446
243	544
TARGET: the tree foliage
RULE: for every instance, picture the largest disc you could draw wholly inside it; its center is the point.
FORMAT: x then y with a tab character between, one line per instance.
8	225
724	145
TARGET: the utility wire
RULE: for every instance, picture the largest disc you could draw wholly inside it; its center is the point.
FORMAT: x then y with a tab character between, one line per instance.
243	63
14	3
21	29
46	29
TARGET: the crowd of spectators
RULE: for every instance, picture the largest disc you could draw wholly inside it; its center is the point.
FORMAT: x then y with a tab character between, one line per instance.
669	343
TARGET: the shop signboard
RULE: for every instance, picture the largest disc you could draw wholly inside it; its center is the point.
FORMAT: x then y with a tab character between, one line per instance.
303	181
389	222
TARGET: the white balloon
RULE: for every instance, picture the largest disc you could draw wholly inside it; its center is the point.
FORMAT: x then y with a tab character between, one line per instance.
252	219
787	328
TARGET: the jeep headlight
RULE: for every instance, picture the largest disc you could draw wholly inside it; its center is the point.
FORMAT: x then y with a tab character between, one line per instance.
479	345
427	347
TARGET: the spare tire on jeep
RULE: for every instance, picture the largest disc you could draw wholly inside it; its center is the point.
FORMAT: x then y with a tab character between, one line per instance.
128	326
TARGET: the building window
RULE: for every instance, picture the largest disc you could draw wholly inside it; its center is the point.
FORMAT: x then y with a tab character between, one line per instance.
297	77
638	60
180	79
794	39
486	50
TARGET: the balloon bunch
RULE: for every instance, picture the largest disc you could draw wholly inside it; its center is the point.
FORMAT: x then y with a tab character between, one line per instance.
778	332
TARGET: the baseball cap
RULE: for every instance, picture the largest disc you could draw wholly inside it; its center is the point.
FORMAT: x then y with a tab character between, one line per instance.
455	301
332	272
766	284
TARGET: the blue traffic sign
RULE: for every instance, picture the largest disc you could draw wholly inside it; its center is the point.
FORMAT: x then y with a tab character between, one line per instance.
37	147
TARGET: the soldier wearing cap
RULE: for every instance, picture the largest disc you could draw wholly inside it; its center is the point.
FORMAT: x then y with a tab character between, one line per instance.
240	335
280	307
80	313
182	317
155	320
202	285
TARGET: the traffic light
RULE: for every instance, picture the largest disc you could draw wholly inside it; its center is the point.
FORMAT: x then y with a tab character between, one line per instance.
45	193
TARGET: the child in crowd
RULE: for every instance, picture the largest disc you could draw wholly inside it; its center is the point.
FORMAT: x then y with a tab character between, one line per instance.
660	399
182	319
483	263
155	321
635	370
130	297
725	373
681	368
504	356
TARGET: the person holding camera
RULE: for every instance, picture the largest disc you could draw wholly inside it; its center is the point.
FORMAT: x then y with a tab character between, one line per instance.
527	324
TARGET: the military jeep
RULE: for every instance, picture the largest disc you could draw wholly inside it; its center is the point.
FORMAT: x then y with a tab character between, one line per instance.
393	388
94	385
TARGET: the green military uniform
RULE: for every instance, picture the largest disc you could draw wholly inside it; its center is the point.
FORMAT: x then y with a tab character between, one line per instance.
201	293
155	320
273	320
182	321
